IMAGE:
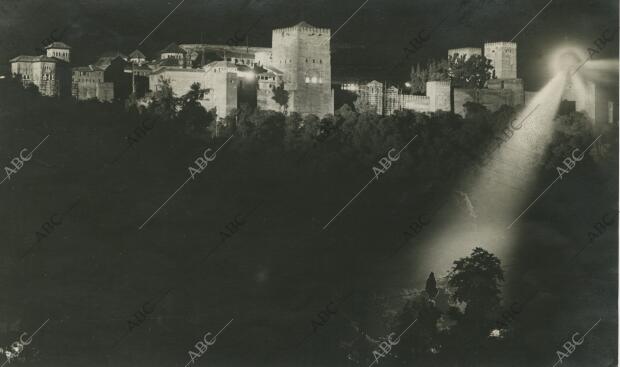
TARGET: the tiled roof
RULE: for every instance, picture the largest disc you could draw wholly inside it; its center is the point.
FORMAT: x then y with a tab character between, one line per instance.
273	70
172	48
113	54
28	58
303	24
105	61
58	45
137	55
87	68
220	64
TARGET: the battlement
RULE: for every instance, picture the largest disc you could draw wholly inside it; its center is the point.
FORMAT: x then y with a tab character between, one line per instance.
413	99
438	83
305	28
501	44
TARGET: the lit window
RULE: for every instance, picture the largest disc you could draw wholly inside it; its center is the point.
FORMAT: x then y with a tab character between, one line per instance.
307	80
314	79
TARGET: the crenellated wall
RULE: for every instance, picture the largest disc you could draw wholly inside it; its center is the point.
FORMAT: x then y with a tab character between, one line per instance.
439	95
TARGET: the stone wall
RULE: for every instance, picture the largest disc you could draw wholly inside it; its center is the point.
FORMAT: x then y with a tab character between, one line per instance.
222	94
492	99
302	53
416	103
439	95
180	79
105	92
503	56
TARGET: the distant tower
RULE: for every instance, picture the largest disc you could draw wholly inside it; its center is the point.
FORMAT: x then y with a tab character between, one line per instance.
59	50
137	57
302	53
503	56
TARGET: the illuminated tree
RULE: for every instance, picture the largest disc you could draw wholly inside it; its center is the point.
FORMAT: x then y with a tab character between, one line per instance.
280	95
469	72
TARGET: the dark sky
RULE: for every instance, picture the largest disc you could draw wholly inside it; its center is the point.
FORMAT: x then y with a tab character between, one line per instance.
368	46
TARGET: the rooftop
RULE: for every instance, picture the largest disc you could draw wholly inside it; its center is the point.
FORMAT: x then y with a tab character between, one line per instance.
137	55
172	48
40	58
303	24
112	55
87	68
60	45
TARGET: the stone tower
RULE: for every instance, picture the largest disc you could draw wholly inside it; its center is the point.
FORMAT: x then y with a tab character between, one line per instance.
59	50
503	56
302	53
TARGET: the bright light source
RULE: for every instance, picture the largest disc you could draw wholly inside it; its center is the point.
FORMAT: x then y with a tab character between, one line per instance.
567	59
407	84
250	75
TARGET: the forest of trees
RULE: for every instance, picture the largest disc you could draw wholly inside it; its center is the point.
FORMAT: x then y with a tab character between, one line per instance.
273	151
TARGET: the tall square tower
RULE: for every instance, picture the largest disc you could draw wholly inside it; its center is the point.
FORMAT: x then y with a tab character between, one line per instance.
302	53
503	56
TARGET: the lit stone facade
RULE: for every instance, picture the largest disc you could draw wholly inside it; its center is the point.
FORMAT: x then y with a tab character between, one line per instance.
386	101
222	80
302	53
88	82
503	56
51	75
267	81
59	50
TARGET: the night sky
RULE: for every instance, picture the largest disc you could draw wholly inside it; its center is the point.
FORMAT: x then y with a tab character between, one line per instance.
367	47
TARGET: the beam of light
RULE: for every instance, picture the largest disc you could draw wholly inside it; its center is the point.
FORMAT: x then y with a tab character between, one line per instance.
502	188
567	57
609	65
582	92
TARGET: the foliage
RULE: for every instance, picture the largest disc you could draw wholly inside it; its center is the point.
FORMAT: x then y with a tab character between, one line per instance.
263	161
434	70
164	102
192	114
431	286
469	72
476	279
280	95
462	71
362	105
